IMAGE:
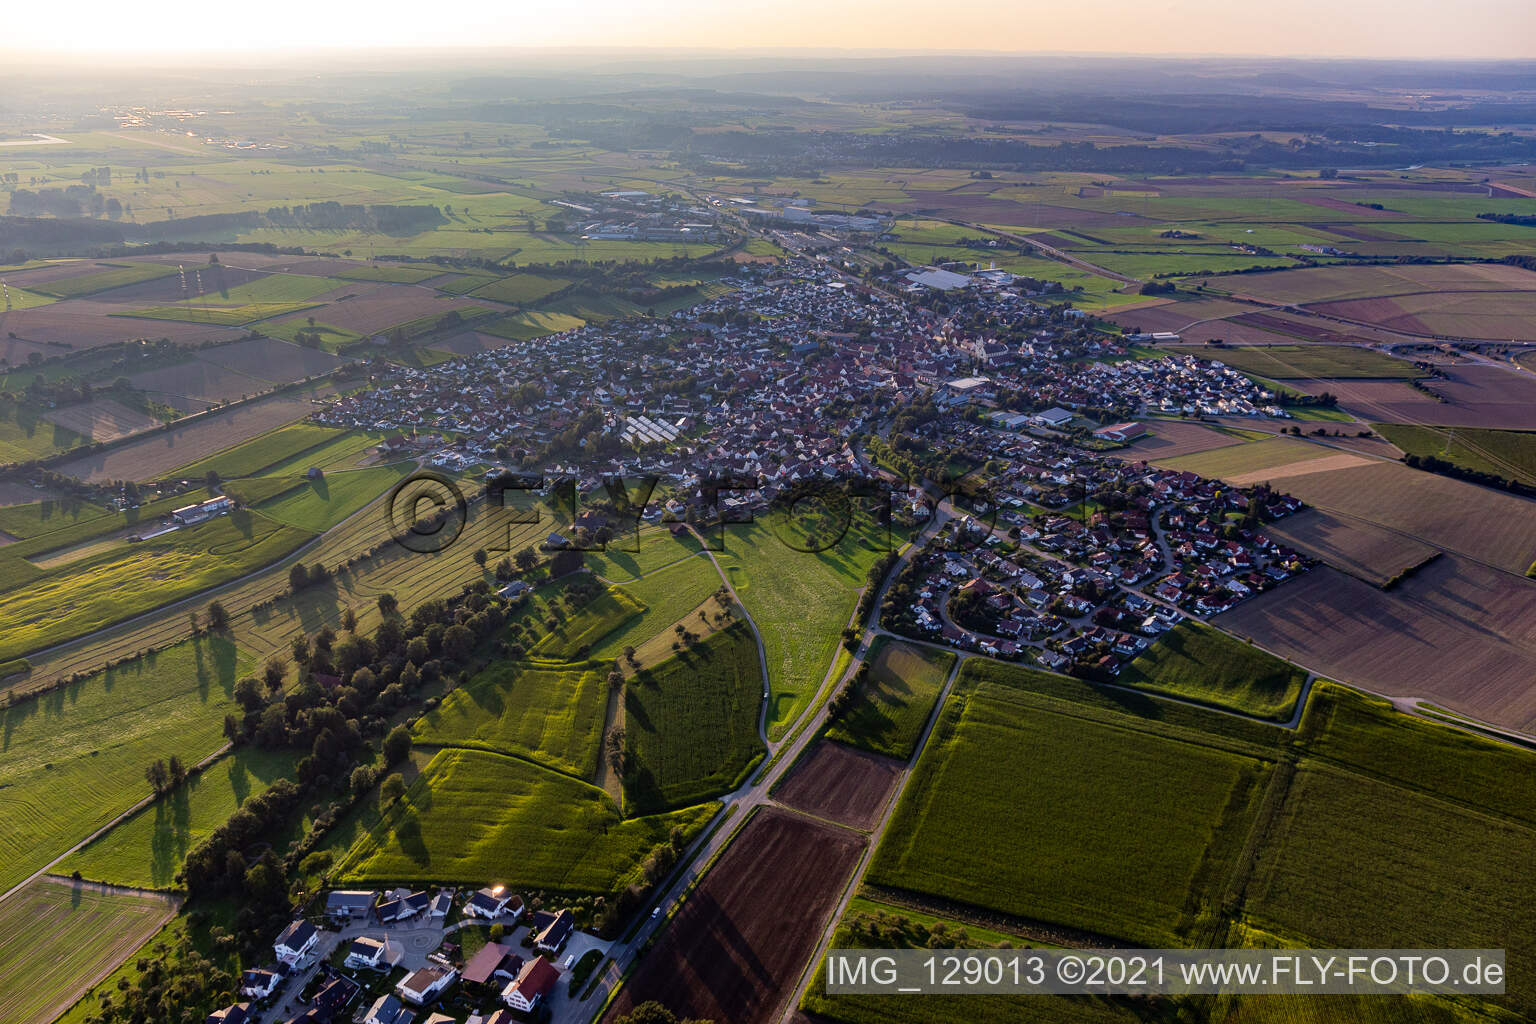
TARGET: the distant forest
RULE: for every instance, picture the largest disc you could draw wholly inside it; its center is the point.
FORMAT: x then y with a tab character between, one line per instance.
52	217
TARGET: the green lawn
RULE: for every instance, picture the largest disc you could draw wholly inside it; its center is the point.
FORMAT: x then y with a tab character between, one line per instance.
119	275
148	849
474	817
552	714
800	601
318	505
691	722
1044	809
1507	453
890	712
1197	662
93	739
57	938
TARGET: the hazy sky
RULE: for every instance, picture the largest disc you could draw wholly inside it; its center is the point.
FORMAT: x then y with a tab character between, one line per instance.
1371	28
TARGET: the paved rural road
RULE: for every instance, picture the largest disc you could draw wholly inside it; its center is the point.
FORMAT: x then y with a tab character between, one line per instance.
755	792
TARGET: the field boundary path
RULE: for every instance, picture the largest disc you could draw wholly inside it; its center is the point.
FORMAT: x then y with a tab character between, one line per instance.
738	807
47	869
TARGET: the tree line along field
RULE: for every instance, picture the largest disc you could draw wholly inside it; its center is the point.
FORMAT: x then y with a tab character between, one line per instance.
147	850
1507	453
889	713
1059	807
93	739
1195	662
57	938
690	723
474	815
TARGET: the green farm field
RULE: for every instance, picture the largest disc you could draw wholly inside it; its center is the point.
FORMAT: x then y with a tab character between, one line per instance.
389	273
94	738
871	925
1115	824
317	505
575	636
552	714
890	712
113	275
474	816
25	435
1507	453
1196	662
129	579
1357	851
691	722
1293	362
800	601
262	452
519	289
221	316
58	938
147	850
1249	457
45	516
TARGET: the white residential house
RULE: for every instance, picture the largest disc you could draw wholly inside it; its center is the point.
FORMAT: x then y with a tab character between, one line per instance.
258	984
493	903
366	952
422	986
532	984
296	942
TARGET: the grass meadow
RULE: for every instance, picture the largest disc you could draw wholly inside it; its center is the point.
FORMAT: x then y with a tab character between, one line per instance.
1195	662
553	714
474	817
93	739
573	637
800	601
888	717
147	850
691	722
